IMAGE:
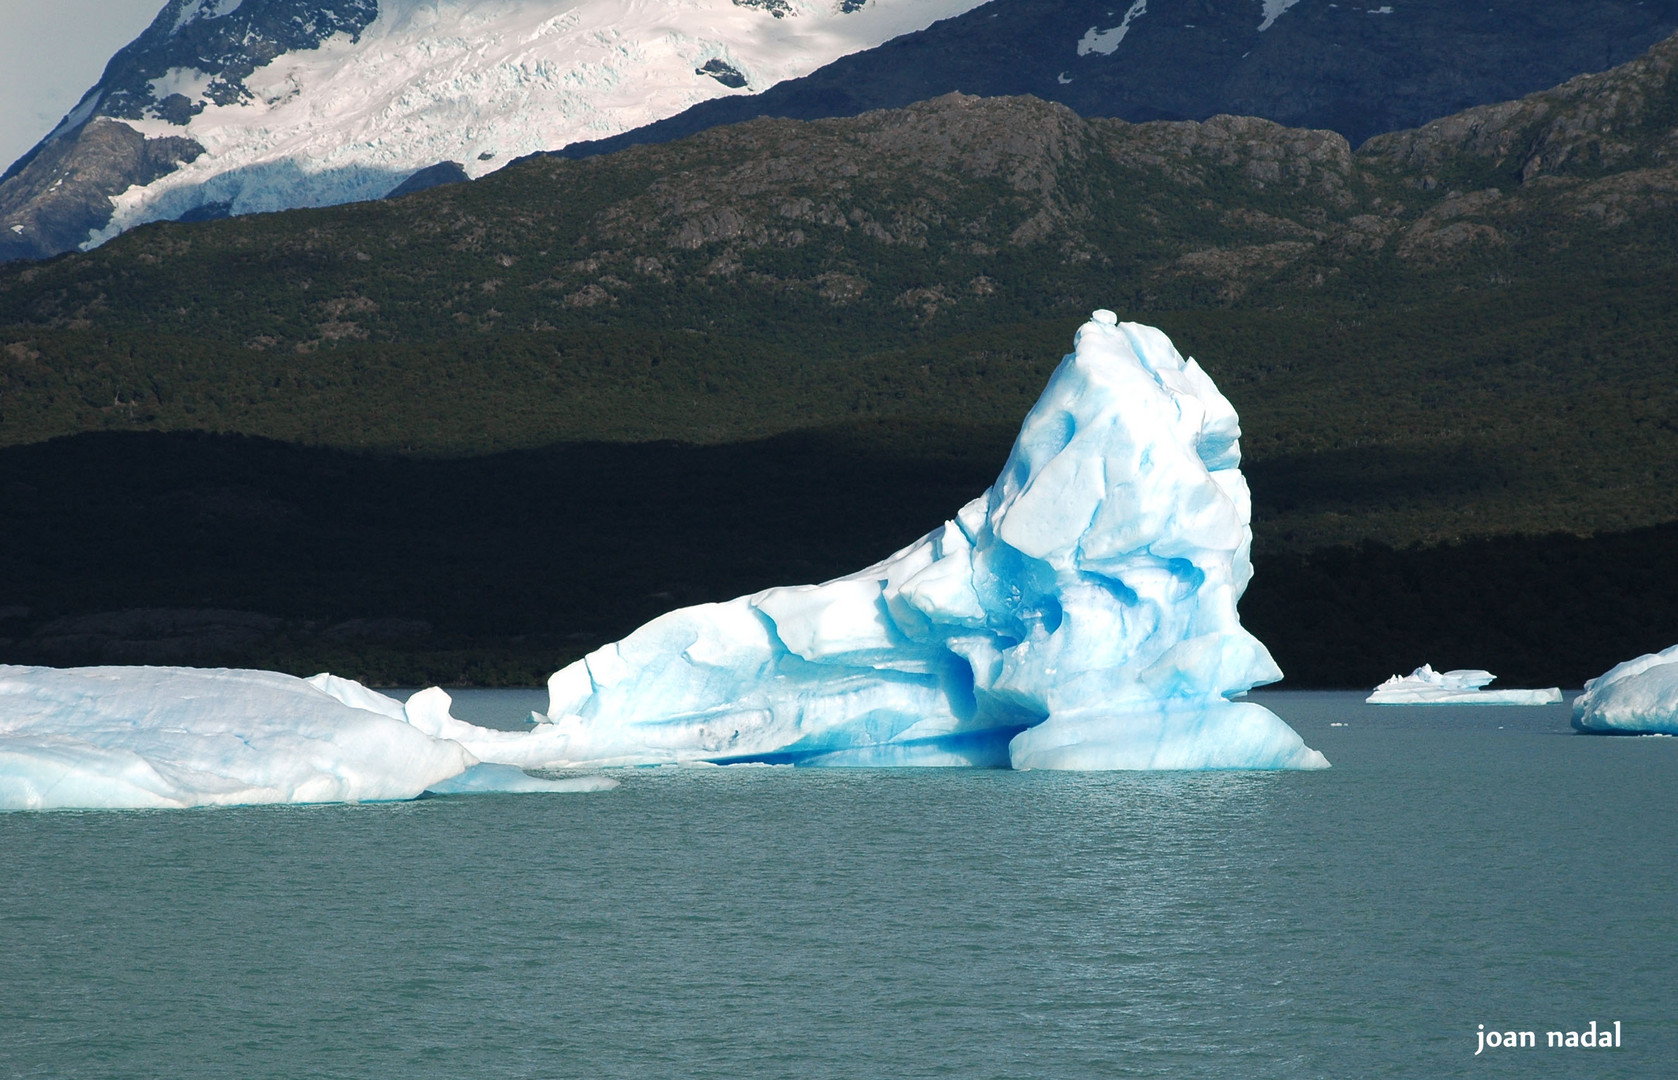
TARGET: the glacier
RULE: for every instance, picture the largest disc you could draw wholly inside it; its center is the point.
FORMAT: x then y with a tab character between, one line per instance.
1463	686
1080	614
1638	697
479	82
152	737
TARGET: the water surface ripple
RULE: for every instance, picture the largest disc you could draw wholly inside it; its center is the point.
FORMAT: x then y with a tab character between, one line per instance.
1455	867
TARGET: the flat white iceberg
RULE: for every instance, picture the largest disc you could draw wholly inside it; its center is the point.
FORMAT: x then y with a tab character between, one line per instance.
134	737
1637	697
1080	614
1463	686
1460	686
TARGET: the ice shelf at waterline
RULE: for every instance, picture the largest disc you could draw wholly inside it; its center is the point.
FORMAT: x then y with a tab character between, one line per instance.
1080	614
1638	697
1425	686
138	737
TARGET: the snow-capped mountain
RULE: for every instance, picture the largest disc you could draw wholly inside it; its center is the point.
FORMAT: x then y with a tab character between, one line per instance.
238	106
241	106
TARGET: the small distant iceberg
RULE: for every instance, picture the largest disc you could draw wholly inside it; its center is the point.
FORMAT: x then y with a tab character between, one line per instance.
1463	686
160	737
1638	697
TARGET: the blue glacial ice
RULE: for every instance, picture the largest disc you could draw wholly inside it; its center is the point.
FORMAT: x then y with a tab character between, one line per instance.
1637	697
1080	614
136	737
1463	686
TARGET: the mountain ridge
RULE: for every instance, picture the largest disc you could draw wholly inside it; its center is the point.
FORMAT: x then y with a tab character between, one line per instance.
290	103
1352	68
245	86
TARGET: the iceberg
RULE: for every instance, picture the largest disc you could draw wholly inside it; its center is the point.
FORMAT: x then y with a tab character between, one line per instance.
1463	686
1638	697
1079	614
145	737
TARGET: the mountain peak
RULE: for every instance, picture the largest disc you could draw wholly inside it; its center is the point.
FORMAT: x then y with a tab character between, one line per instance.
314	102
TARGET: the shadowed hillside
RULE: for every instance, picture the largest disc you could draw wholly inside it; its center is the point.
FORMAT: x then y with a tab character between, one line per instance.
186	548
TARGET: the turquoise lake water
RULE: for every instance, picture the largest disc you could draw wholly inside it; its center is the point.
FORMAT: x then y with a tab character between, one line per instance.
1456	867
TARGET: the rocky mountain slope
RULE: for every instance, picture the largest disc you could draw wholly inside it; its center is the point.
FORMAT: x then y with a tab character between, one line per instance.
923	218
1452	331
1356	68
240	106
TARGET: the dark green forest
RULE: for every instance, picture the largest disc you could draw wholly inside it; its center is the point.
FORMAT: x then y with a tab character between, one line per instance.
494	569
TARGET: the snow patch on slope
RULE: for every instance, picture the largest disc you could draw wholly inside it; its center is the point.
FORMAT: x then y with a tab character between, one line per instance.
188	82
1273	10
205	9
77	116
483	82
1106	42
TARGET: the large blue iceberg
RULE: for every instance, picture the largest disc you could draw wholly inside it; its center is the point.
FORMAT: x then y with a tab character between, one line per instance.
1638	697
1080	614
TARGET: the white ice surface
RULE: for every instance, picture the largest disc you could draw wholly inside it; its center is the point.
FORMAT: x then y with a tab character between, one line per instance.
1425	686
1080	614
1106	42
1273	10
482	82
1639	696
135	737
